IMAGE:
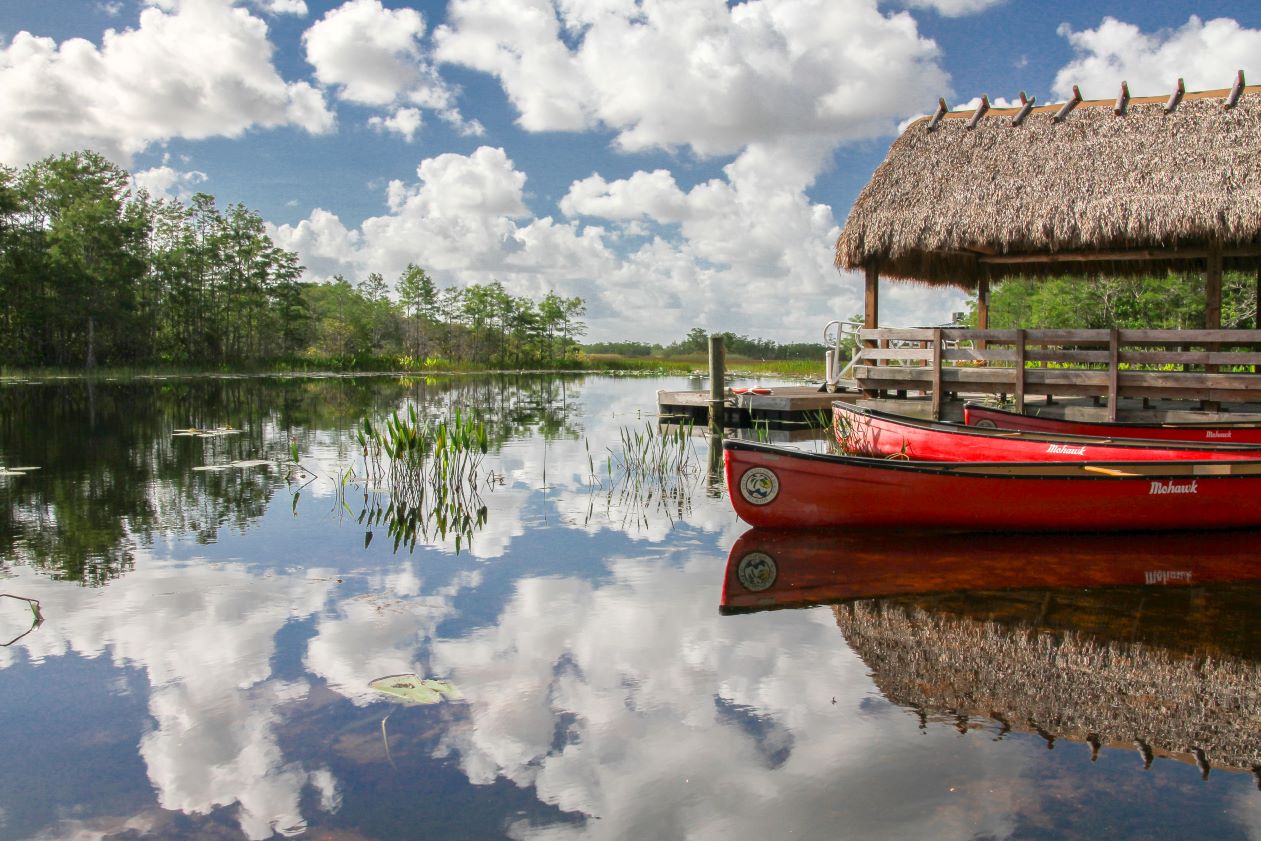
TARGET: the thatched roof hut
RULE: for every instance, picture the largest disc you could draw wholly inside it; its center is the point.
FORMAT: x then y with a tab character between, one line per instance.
1125	186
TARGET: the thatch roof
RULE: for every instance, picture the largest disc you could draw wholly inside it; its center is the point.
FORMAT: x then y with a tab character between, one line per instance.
1092	189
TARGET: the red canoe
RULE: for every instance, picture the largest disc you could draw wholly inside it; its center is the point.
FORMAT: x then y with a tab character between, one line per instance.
867	432
779	487
991	418
774	568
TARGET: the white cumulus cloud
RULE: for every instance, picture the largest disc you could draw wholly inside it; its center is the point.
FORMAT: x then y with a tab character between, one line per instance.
405	122
167	182
189	69
699	73
954	8
749	252
1207	55
286	7
373	56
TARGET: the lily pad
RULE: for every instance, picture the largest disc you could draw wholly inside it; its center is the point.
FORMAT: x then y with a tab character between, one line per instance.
214	467
253	462
412	689
193	431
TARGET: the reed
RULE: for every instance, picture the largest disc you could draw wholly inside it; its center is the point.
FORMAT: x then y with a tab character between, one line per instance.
421	477
654	471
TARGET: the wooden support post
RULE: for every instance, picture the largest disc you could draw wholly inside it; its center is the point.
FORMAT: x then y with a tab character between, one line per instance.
1213	289
936	373
871	297
717	382
871	307
1114	358
1020	371
982	307
1212	309
1256	318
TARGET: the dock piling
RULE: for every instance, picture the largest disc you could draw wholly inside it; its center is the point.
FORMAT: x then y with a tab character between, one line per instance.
717	381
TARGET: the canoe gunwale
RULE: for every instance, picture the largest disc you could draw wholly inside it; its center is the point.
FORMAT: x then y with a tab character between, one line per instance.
1044	437
1024	470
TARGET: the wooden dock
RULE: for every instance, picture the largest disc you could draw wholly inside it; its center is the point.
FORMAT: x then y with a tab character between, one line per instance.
785	406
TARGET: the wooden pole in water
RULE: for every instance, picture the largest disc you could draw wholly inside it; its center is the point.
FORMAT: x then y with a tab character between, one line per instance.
717	381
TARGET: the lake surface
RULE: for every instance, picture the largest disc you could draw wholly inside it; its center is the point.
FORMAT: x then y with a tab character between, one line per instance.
212	641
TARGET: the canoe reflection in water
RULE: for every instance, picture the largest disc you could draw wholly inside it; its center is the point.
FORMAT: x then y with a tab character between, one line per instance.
1150	643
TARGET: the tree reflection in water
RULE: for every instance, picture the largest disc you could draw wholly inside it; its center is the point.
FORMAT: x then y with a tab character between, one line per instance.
114	477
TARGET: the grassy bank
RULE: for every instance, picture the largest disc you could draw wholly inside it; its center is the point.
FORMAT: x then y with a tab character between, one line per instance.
806	369
613	363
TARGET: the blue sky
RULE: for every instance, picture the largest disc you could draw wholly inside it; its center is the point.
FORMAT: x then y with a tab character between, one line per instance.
676	163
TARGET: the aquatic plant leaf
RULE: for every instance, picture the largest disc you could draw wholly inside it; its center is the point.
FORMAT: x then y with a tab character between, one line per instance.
253	462
412	689
214	467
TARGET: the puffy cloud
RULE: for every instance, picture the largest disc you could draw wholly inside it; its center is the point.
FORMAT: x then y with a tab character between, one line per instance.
1205	55
645	195
373	56
193	69
286	7
953	8
699	73
404	121
367	50
325	245
167	182
778	84
749	252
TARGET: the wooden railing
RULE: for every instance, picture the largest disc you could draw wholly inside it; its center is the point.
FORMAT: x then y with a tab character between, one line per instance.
1214	366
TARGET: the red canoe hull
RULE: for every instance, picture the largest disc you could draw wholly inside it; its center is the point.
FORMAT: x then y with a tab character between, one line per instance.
864	432
1241	433
773	568
776	487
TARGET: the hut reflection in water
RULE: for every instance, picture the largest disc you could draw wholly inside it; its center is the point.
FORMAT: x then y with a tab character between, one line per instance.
1147	643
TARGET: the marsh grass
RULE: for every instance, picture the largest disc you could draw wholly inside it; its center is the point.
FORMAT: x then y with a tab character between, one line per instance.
653	471
421	477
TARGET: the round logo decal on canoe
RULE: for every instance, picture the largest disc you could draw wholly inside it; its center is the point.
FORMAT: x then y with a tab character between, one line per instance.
759	486
985	423
757	571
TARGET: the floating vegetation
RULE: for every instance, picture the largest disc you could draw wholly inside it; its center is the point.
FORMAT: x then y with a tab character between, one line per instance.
194	432
37	616
412	689
253	462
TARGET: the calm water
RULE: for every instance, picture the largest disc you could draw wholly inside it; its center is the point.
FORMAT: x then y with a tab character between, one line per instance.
210	638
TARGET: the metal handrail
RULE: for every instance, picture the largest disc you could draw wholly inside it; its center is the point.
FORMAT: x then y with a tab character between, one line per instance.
832	376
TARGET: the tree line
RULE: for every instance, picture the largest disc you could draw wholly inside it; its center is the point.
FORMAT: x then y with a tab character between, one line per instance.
1173	301
697	342
95	272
